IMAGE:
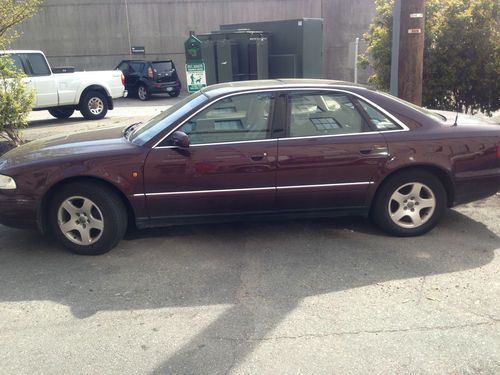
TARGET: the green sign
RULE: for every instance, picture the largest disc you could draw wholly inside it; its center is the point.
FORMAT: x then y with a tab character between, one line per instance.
196	76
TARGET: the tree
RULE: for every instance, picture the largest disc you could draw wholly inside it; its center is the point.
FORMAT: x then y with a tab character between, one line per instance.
16	98
16	101
461	53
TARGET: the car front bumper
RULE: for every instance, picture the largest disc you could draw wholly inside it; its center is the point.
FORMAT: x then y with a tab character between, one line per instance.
18	211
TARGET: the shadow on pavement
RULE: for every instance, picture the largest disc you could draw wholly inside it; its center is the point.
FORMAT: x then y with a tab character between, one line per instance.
263	270
54	121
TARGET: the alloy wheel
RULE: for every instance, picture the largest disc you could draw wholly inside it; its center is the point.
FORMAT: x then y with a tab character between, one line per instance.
412	205
96	105
142	93
80	220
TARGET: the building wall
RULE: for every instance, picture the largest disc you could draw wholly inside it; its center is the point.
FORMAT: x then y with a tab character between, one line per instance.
93	34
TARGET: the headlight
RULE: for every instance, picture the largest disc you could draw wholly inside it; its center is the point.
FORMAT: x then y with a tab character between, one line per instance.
7	183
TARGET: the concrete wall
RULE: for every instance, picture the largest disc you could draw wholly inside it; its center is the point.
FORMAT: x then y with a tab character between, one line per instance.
93	34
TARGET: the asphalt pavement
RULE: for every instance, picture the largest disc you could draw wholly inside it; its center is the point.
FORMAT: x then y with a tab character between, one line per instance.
325	296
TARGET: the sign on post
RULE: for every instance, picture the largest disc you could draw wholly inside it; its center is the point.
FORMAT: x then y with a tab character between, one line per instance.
196	76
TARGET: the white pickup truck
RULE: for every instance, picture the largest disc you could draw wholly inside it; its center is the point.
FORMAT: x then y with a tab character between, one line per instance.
91	93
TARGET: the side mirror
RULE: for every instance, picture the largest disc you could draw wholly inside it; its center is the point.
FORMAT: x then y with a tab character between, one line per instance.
180	139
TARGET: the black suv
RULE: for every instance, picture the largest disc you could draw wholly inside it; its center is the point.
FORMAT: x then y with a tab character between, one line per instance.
144	78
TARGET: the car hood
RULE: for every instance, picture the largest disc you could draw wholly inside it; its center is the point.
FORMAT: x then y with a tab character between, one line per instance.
67	146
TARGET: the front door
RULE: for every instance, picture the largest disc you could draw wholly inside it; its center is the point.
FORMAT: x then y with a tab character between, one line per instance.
43	80
329	155
229	168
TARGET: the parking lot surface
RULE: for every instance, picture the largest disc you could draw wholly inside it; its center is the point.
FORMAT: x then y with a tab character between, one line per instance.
324	296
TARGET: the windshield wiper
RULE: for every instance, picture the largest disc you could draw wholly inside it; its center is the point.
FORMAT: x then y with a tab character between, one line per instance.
129	130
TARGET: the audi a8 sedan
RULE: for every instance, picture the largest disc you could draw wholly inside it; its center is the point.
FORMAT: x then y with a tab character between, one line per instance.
256	149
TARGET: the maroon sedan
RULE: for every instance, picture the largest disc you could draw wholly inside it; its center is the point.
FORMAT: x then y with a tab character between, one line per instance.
287	148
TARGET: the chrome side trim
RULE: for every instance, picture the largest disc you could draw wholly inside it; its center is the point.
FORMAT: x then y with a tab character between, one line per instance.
300	88
256	189
224	143
206	191
324	185
337	135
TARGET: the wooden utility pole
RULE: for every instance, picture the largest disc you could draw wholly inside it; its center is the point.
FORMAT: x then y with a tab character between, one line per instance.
411	50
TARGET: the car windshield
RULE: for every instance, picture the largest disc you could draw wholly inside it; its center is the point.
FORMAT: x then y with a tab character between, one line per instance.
159	123
162	66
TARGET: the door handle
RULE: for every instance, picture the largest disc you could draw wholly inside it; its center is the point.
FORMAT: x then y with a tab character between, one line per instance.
377	151
258	157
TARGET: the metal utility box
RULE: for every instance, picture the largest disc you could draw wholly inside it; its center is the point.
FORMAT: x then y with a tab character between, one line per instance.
261	50
233	53
258	58
300	37
227	60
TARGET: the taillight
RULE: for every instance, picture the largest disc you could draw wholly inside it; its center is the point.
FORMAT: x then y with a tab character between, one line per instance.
150	73
498	151
123	80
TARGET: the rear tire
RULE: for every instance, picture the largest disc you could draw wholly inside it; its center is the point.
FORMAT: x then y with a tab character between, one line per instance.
94	105
87	218
409	203
61	113
143	93
174	94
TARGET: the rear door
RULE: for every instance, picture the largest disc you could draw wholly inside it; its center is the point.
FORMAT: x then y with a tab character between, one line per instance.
229	168
129	70
329	155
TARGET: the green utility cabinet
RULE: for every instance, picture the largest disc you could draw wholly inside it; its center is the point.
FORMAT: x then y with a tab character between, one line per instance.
295	46
235	55
261	50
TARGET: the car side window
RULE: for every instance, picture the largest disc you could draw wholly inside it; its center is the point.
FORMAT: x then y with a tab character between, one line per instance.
136	67
18	63
123	67
377	118
316	114
38	64
237	118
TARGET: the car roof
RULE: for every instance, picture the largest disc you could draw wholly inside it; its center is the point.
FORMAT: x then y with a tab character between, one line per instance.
20	51
151	61
230	87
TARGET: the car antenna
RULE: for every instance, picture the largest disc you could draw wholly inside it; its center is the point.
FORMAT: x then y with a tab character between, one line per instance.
456	117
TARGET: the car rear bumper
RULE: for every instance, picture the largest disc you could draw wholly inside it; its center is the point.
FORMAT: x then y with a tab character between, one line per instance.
18	211
161	87
473	189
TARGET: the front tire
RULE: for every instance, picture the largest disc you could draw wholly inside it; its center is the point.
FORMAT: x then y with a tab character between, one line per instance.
409	204
94	105
87	218
61	113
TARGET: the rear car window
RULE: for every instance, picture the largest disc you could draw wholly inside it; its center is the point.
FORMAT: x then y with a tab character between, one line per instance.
38	64
162	66
378	119
313	114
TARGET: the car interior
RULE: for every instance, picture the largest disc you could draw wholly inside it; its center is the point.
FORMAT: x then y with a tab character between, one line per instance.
330	114
239	118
